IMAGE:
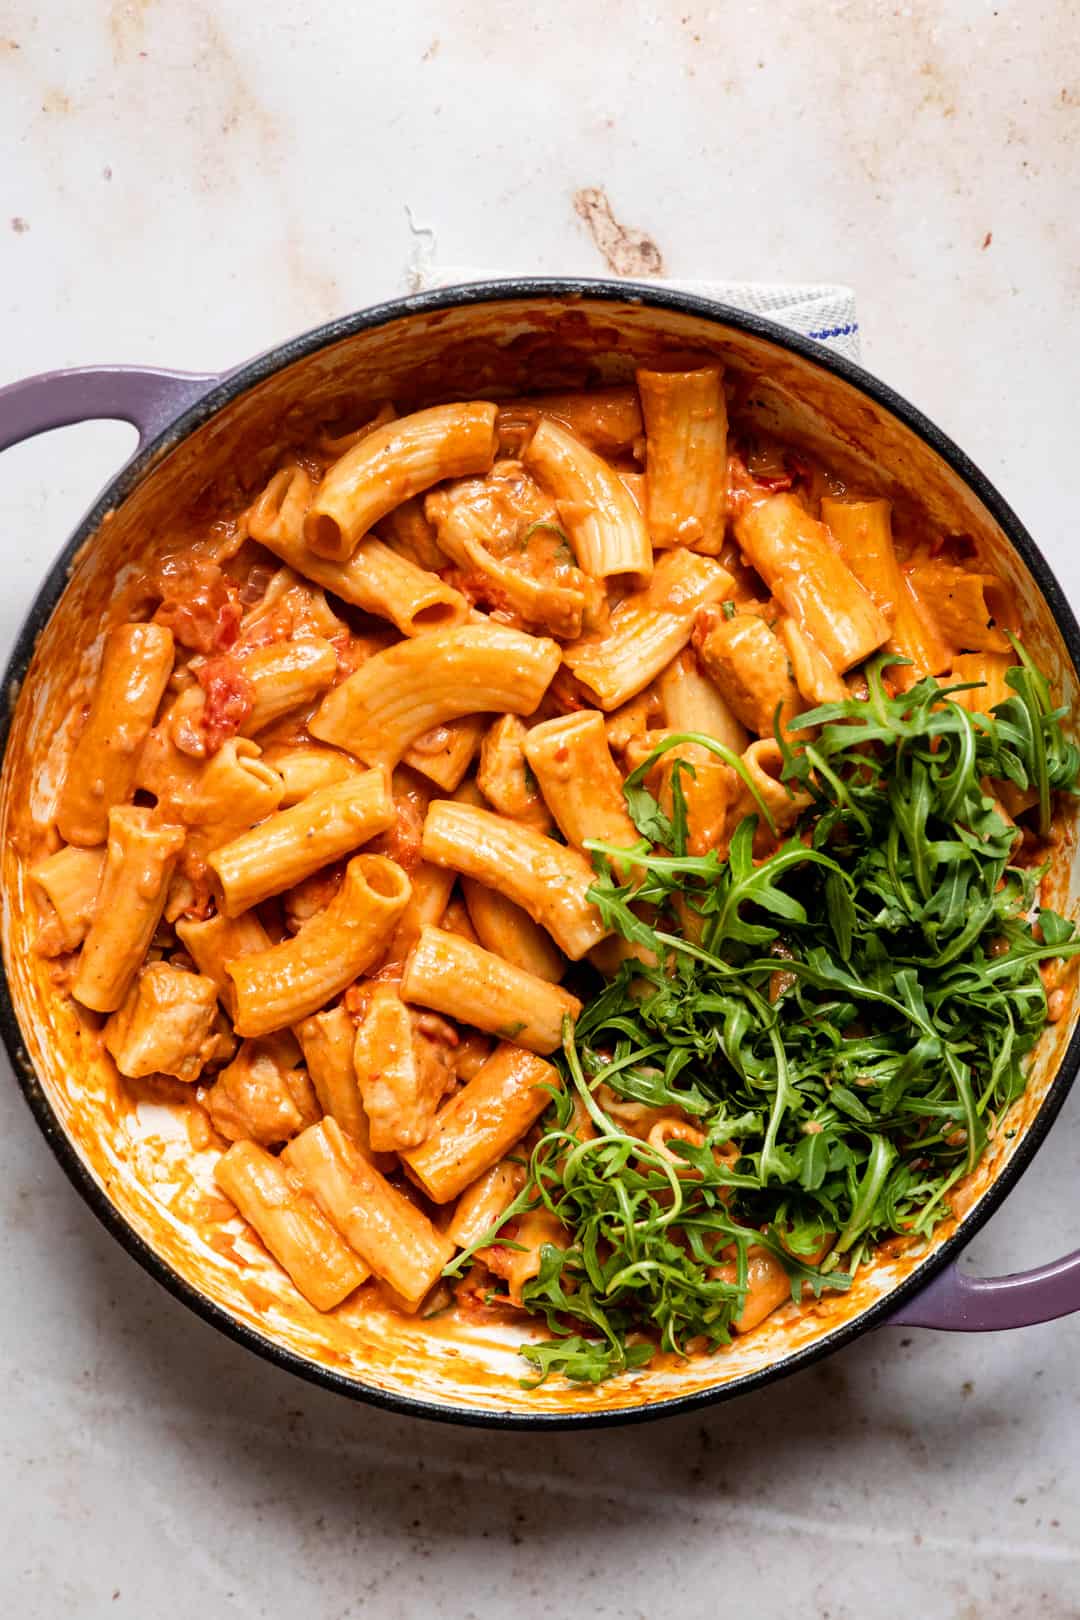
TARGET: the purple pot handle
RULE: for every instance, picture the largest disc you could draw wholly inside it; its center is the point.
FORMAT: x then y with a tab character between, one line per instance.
147	398
963	1304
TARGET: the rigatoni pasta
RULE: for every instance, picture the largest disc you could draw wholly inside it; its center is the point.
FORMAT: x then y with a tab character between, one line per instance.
986	671
402	693
212	942
69	880
327	1040
289	846
647	629
295	978
482	1122
391	464
579	779
709	786
281	678
863	531
969	609
388	1232
376	577
691	701
456	978
304	768
136	662
483	1202
445	753
490	1064
544	878
291	1224
685	456
794	555
608	532
139	860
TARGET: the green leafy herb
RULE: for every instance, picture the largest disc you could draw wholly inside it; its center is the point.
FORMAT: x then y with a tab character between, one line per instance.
564	552
845	1020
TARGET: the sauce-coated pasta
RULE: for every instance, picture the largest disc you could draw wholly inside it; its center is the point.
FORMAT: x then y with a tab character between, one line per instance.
577	858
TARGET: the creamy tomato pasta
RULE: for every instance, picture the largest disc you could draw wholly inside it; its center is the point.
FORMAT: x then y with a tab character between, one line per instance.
574	860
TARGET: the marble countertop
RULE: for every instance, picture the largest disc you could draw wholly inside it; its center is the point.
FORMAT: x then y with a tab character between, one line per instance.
188	184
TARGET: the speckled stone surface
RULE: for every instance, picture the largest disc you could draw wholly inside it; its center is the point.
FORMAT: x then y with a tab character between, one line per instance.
187	184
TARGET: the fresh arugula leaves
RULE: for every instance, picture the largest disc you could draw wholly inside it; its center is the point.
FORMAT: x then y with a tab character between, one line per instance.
845	1021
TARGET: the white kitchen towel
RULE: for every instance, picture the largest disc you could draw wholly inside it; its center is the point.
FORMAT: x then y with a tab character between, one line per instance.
817	310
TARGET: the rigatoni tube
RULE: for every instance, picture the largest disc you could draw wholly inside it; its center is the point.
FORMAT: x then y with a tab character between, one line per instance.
511	933
546	879
291	1225
815	677
139	861
297	977
218	796
388	1232
214	941
685	456
400	694
391	464
327	1041
453	976
445	753
692	702
481	1203
431	886
482	1121
863	531
970	609
376	578
796	558
648	628
284	675
305	768
765	763
69	880
988	669
708	792
580	781
607	530
292	844
136	663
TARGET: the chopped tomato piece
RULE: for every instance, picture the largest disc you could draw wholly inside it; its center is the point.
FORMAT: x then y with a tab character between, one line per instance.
229	700
198	604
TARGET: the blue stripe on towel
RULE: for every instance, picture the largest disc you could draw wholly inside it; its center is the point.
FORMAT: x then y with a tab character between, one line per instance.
835	331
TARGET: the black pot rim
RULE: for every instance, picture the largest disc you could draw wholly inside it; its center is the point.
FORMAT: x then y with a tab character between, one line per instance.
237	382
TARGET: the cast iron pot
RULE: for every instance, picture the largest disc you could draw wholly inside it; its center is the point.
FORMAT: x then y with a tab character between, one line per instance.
195	432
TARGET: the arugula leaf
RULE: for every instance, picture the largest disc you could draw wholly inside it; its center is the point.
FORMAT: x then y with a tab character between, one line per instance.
582	1360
